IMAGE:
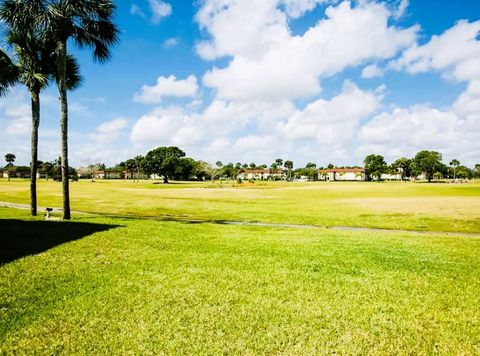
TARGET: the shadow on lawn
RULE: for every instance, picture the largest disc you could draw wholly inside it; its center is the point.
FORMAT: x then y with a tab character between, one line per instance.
20	238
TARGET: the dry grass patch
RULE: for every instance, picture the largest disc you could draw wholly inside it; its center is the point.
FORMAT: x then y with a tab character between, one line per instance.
452	207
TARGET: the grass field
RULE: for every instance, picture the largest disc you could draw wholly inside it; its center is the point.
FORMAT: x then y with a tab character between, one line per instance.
406	206
118	285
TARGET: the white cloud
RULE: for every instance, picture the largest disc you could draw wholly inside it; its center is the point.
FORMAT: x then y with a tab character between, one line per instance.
160	9
331	123
256	130
372	71
167	87
136	10
401	9
158	126
110	130
403	132
170	43
456	52
296	8
268	63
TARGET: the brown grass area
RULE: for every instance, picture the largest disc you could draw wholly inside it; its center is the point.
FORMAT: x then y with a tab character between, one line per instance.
453	207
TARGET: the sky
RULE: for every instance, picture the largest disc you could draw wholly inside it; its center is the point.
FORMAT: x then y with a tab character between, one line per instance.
322	81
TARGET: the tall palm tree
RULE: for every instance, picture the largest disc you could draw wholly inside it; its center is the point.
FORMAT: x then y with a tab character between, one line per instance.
89	24
34	67
31	68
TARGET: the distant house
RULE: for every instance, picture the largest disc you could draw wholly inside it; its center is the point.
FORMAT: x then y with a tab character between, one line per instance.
16	172
134	175
397	176
342	174
41	174
261	174
109	174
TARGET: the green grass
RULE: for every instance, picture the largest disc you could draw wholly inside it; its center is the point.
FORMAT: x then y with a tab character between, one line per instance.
106	285
139	286
429	207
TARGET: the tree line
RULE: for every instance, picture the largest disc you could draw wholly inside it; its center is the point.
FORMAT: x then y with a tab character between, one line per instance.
172	163
425	162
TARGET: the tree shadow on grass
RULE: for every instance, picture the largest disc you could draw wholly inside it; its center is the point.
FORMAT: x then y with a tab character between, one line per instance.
19	238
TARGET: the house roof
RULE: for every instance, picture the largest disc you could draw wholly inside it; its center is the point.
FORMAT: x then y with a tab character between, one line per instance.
257	171
343	170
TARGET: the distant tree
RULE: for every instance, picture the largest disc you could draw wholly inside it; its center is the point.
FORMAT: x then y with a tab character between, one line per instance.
279	162
202	170
228	171
252	165
477	170
134	165
311	171
330	166
274	168
47	167
219	164
375	166
403	165
184	168
289	167
245	166
130	166
454	163
9	158
428	162
163	161
465	172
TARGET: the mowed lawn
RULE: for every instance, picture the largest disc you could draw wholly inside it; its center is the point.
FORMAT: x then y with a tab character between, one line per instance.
101	285
395	205
134	285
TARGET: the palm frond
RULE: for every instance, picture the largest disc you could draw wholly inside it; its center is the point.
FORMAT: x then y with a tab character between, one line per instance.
9	73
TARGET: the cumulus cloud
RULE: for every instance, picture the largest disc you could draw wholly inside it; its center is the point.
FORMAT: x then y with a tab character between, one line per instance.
136	10
297	8
401	9
269	63
110	130
261	130
372	71
158	126
170	43
405	131
462	63
160	9
330	124
167	87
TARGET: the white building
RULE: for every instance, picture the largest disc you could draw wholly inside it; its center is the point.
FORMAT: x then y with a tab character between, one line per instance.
261	174
342	174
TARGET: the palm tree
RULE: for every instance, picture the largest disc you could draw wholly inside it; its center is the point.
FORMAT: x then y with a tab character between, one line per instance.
34	67
288	166
31	70
455	163
9	158
87	23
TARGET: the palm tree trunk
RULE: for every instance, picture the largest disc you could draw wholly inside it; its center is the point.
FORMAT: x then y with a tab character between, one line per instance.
34	162
62	87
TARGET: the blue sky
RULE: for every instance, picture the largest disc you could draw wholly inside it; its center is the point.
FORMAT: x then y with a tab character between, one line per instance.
253	80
